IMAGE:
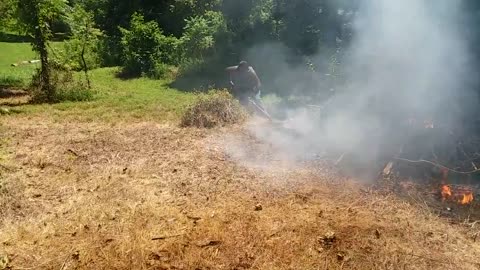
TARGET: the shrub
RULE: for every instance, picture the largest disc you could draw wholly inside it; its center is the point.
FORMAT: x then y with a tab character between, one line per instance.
159	70
201	34
66	88
71	55
215	108
84	42
146	49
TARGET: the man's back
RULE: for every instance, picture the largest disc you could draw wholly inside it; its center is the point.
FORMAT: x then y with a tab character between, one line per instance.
245	79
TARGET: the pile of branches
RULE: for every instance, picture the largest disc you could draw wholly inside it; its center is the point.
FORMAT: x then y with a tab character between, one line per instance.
215	108
410	145
436	150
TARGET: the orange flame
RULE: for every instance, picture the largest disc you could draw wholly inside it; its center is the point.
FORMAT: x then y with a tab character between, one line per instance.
467	198
446	192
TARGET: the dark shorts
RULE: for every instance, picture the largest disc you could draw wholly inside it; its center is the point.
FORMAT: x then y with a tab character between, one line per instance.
242	94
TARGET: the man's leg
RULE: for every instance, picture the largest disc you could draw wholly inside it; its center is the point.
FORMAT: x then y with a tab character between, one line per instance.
258	100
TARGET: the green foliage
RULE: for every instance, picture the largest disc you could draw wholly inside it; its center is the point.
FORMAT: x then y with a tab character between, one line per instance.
201	33
8	9
36	16
159	70
67	88
84	42
146	49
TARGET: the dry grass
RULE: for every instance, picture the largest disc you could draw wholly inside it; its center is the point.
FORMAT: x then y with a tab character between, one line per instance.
217	108
93	196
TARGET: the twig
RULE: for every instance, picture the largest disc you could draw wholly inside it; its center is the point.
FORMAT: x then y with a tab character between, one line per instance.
73	152
437	165
339	159
66	259
167	236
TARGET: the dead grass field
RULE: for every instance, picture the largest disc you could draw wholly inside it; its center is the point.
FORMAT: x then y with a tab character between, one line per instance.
124	195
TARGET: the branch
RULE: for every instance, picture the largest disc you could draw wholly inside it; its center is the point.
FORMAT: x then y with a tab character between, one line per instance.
436	165
167	236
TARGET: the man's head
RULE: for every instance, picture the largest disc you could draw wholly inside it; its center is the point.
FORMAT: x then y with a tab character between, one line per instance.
243	66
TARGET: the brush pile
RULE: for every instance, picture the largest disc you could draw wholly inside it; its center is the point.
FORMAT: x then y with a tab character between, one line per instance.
215	108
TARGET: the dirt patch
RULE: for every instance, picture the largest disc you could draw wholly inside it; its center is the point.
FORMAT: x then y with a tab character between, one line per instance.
149	196
13	97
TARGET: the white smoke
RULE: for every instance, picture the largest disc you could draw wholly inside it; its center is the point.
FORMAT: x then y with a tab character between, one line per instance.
407	59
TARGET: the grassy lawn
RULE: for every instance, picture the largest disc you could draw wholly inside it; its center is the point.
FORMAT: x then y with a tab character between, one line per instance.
139	99
11	53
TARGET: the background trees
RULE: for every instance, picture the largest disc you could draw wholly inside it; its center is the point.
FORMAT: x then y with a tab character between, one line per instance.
144	37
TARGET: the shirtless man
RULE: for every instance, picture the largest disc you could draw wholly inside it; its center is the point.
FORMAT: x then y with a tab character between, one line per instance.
245	83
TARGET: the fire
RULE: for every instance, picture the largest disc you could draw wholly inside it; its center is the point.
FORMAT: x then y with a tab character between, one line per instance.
446	192
462	196
467	198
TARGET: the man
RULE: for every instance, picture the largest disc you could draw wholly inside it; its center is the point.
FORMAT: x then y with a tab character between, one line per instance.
245	83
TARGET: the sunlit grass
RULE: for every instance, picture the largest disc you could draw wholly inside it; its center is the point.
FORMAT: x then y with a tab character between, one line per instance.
115	99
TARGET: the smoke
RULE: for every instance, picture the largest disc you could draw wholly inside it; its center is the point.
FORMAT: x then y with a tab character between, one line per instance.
407	59
411	51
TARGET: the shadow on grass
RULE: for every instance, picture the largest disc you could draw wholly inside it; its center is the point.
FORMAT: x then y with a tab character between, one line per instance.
124	75
6	92
201	79
18	38
10	97
13	104
193	83
14	38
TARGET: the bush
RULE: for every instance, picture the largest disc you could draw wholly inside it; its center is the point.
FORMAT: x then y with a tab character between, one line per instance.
159	71
201	34
215	108
71	55
84	43
66	88
145	49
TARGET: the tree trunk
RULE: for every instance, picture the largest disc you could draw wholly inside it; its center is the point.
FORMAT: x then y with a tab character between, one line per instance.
85	67
45	84
82	55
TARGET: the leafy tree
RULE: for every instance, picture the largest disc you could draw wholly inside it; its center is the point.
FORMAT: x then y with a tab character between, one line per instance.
82	47
145	48
201	33
36	17
7	10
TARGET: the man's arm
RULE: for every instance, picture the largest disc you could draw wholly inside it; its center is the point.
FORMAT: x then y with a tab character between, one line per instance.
230	71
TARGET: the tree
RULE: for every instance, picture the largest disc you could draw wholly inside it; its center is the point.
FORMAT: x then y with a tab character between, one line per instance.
146	49
84	39
201	33
36	17
7	11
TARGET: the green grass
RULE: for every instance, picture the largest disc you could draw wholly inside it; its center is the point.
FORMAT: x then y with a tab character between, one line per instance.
11	53
115	99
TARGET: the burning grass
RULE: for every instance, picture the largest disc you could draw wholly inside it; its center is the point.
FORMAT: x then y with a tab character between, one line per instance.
216	108
150	196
